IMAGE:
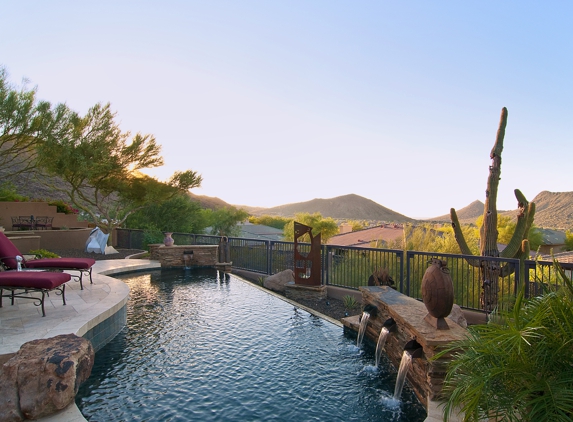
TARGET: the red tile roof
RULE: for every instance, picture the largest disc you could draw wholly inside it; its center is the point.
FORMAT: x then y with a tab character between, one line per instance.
365	238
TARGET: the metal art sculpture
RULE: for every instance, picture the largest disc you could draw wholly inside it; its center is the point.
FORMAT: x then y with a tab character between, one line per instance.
307	264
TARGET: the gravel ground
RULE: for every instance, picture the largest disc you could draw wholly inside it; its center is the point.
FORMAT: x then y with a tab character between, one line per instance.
334	308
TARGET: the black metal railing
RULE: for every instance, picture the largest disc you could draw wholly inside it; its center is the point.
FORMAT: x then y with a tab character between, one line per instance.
351	267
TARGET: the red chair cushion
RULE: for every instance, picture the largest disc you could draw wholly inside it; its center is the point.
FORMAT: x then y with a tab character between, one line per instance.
8	250
33	279
64	263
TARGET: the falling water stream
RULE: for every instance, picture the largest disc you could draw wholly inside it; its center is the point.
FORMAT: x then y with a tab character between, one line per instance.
362	328
381	343
405	365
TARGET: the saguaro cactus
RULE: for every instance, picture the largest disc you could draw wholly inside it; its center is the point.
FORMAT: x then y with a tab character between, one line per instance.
518	246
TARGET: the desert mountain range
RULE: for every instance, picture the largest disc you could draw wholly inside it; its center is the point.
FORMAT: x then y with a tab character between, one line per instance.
553	209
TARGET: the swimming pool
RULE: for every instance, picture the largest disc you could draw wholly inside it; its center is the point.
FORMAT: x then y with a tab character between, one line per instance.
199	346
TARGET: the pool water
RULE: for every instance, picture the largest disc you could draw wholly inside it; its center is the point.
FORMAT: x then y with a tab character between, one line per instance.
203	346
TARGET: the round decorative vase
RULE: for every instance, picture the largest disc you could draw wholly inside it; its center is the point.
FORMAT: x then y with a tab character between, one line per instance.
168	240
438	289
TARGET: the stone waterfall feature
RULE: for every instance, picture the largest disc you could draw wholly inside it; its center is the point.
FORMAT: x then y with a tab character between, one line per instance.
409	315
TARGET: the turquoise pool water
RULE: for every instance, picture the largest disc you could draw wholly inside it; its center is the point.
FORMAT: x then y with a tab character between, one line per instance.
204	347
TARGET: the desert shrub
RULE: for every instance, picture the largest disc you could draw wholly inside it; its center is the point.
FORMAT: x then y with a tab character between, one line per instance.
43	253
349	302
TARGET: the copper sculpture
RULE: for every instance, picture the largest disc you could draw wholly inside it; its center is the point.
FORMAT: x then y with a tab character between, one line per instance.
306	265
438	293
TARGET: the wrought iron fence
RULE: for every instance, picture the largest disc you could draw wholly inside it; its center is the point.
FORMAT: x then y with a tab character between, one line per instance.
351	267
542	276
466	273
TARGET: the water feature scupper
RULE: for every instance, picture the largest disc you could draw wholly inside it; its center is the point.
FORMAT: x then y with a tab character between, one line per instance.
388	326
425	376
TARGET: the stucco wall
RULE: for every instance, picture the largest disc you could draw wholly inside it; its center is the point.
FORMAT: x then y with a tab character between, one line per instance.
49	239
15	209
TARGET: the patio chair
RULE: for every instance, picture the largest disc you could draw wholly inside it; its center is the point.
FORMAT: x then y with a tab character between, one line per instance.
43	222
16	223
9	253
26	222
20	283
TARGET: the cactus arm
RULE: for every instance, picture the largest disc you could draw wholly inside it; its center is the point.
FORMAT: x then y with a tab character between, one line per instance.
524	221
464	248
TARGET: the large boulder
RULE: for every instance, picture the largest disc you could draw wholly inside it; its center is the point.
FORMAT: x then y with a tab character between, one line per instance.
278	281
44	376
457	316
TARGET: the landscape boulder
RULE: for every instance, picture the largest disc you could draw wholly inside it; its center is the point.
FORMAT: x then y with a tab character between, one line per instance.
457	316
44	376
278	281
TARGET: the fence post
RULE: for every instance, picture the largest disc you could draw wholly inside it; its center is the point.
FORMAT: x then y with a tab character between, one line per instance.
527	265
409	256
270	245
401	255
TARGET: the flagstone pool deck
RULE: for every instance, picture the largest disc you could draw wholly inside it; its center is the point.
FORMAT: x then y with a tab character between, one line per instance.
84	310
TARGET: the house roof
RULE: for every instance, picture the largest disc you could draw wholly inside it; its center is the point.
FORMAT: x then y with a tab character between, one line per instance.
365	238
258	231
563	257
553	237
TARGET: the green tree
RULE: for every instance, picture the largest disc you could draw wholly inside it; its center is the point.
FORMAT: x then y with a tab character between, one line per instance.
425	238
327	227
569	240
223	221
506	228
98	167
24	122
178	214
519	367
357	225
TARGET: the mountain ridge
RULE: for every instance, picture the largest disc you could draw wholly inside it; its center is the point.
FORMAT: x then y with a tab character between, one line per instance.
553	210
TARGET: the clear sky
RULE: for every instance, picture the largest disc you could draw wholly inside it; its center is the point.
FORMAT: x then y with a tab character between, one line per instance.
398	102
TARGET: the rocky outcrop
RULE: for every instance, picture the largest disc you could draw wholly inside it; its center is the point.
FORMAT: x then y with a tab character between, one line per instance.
278	281
43	377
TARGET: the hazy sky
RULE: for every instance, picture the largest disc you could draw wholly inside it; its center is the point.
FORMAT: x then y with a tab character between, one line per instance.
398	102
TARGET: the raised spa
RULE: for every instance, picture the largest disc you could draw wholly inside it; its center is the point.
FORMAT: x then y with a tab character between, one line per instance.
202	345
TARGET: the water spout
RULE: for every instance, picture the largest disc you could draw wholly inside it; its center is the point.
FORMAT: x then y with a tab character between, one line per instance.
371	309
405	364
362	328
381	343
388	326
412	350
187	258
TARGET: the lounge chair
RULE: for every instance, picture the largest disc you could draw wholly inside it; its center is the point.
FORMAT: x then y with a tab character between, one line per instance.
19	283
9	253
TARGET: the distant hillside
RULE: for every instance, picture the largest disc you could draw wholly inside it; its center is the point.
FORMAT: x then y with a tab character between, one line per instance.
351	206
209	202
554	210
466	215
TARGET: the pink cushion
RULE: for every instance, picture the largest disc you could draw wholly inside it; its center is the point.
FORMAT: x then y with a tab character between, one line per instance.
33	279
65	263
